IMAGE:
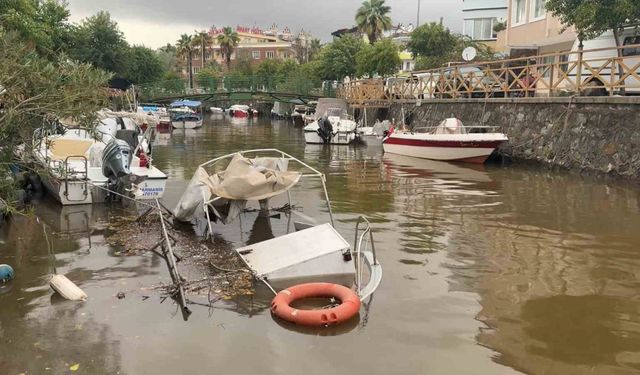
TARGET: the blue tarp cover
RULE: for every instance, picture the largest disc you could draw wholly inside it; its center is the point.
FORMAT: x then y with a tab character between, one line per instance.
186	103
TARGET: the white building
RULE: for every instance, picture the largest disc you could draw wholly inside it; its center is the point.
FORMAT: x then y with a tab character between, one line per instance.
480	16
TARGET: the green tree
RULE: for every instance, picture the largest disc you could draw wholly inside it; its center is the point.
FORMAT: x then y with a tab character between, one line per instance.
99	41
338	59
167	56
144	65
184	46
244	63
314	48
43	24
372	19
208	78
268	72
37	88
591	18
202	40
228	41
431	39
382	59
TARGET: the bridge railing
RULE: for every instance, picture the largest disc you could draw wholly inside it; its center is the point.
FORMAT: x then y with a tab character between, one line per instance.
604	71
294	85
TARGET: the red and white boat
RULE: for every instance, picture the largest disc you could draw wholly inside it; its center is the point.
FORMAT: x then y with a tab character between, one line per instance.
242	111
449	141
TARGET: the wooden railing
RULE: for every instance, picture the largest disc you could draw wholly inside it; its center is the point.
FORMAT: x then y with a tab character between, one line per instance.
588	73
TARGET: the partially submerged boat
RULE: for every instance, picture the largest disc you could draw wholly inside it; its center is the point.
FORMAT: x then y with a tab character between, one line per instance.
449	141
332	124
85	166
298	115
186	121
374	135
222	187
280	110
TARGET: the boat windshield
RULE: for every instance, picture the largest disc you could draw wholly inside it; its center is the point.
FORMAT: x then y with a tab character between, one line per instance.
335	112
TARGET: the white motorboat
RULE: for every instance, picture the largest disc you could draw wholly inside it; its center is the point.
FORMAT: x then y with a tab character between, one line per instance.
158	111
332	125
222	187
280	110
374	135
216	110
449	141
186	121
84	165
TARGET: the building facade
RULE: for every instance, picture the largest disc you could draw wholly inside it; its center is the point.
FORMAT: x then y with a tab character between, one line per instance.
255	44
531	27
480	17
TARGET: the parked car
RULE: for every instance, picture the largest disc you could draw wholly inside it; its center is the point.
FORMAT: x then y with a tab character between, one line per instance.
599	53
466	81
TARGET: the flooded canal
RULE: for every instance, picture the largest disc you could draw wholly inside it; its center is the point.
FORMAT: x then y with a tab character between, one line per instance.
487	270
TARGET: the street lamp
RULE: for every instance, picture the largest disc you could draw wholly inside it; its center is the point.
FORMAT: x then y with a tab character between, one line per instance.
418	21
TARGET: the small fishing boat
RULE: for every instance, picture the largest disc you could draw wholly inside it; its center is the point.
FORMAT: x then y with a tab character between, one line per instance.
242	111
299	112
280	110
222	188
185	107
449	141
332	124
216	110
374	135
187	121
85	166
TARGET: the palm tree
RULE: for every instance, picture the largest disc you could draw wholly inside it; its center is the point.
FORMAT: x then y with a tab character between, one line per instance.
202	40
184	45
228	41
372	19
314	48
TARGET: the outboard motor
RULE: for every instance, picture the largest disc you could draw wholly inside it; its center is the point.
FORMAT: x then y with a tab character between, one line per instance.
129	136
116	160
325	129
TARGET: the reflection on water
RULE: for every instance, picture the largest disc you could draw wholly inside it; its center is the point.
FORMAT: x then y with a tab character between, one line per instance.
488	270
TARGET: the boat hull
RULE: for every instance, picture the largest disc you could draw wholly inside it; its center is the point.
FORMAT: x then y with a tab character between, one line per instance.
340	138
469	151
186	124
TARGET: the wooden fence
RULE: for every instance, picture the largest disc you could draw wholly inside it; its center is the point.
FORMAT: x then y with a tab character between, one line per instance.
605	71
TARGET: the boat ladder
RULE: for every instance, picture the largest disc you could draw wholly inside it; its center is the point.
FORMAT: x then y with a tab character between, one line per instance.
366	260
81	175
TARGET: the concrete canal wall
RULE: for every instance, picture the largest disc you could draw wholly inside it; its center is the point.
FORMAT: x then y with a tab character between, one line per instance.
595	134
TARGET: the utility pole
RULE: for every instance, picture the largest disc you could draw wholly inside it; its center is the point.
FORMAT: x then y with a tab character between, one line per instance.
418	21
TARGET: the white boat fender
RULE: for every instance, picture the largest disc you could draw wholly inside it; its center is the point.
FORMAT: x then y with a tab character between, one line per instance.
67	289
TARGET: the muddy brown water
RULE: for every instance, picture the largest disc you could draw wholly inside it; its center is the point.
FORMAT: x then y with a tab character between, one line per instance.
487	270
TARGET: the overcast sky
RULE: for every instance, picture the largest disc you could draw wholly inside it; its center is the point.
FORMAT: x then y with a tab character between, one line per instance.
157	22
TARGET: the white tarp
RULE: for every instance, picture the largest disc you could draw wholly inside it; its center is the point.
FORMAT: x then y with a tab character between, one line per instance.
243	180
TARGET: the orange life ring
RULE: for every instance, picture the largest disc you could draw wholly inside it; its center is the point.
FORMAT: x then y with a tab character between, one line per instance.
349	306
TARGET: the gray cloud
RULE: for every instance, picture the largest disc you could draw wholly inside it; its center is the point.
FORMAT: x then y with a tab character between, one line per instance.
155	23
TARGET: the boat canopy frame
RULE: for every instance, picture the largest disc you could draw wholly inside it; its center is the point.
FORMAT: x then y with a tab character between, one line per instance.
309	173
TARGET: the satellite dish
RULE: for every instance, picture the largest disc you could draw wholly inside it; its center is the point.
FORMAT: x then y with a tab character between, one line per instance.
469	54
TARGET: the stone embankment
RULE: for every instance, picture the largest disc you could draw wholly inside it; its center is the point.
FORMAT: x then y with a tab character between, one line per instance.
588	133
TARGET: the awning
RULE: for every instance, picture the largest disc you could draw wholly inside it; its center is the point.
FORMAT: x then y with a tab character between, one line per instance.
186	103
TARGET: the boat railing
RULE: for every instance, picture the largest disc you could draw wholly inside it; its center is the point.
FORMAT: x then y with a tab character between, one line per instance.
71	173
430	129
365	259
308	171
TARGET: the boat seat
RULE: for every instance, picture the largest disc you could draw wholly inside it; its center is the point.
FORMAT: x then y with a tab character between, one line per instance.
61	149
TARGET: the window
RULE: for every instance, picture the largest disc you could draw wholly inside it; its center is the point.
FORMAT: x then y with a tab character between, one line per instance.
255	55
518	12
538	11
632	51
207	55
480	28
196	69
547	66
564	63
270	54
407	65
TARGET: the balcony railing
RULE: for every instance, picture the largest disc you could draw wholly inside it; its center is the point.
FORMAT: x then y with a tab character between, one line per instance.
605	71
